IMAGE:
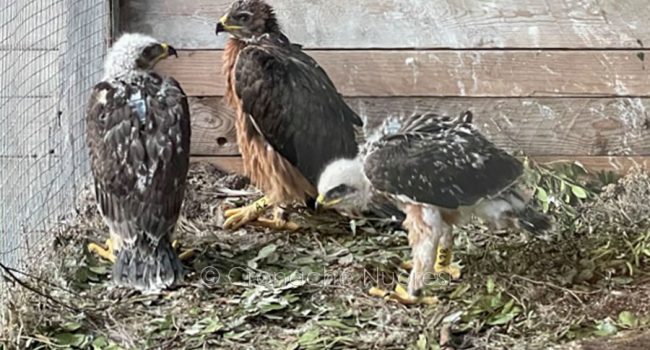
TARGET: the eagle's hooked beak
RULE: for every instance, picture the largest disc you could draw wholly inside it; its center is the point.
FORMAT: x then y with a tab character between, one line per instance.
223	26
321	203
169	50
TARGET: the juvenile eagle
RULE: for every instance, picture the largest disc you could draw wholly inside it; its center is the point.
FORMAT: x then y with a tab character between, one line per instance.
138	133
439	171
291	121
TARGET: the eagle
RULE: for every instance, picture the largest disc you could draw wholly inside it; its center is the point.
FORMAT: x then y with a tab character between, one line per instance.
440	171
290	119
138	136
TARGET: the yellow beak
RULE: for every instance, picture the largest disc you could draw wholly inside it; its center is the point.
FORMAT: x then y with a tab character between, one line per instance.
223	20
168	50
322	203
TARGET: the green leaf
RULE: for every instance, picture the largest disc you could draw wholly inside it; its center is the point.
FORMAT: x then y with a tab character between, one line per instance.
422	342
71	326
99	343
460	290
100	269
309	337
266	251
628	319
337	324
504	318
490	285
542	195
213	326
579	191
605	328
70	339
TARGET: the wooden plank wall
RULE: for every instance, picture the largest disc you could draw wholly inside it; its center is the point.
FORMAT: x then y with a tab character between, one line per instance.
557	79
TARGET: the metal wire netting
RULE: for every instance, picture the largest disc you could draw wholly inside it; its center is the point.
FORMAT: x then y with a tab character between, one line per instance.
51	54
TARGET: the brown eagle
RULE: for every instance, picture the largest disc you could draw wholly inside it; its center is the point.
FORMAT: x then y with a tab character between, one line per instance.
291	121
439	171
138	134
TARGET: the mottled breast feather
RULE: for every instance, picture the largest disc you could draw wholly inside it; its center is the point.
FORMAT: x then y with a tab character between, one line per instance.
440	161
294	105
138	135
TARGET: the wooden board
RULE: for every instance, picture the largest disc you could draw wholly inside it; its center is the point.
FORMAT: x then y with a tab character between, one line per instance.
537	126
620	164
450	73
411	23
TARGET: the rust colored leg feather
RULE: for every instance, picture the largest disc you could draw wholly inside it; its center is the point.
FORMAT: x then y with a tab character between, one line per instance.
424	233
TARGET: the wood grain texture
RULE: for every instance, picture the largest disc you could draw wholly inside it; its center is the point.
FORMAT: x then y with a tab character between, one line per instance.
412	23
450	73
618	164
537	126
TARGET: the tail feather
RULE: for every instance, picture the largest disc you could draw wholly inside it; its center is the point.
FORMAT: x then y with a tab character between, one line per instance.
148	270
533	221
382	208
512	208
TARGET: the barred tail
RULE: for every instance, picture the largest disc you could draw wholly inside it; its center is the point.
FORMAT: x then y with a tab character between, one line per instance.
148	270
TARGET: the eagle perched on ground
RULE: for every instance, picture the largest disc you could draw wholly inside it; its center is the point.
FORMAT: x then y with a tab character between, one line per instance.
439	171
291	121
138	134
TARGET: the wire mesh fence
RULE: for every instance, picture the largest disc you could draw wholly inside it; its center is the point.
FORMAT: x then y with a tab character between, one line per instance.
51	54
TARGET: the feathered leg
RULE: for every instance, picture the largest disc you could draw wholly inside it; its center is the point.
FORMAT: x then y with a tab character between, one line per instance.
425	230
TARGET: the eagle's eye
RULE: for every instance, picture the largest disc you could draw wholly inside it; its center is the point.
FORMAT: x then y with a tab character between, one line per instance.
242	17
340	191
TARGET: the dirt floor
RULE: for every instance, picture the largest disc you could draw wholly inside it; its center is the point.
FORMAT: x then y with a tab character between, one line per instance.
584	286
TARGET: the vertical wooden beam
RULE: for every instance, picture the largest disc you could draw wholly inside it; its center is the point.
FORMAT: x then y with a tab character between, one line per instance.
115	20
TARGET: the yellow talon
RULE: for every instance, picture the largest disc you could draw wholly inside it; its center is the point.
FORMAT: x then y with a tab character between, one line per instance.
106	253
238	217
401	296
183	256
278	222
406	265
444	265
186	255
378	292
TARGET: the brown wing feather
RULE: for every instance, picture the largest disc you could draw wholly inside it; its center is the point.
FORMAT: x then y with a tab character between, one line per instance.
139	136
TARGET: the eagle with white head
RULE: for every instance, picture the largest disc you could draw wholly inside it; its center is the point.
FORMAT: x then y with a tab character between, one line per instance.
439	171
138	135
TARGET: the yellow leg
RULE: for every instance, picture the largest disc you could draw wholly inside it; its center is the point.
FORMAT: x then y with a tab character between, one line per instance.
444	255
401	296
106	253
239	217
443	263
278	222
